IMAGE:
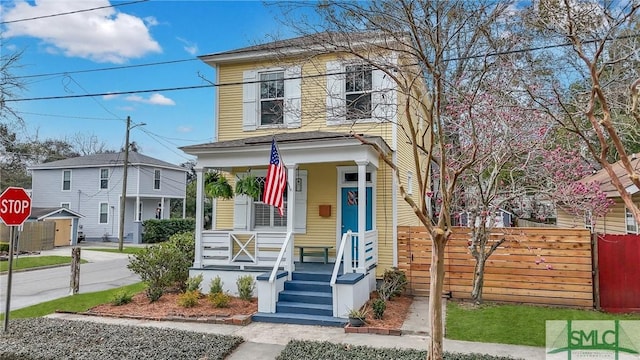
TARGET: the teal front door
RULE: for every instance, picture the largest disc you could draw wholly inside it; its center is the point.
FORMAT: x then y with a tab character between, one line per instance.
350	210
350	214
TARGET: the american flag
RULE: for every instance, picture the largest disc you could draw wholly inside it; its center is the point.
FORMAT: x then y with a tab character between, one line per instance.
276	180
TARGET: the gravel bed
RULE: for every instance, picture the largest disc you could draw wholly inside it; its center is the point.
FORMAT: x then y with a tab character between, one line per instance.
49	339
314	350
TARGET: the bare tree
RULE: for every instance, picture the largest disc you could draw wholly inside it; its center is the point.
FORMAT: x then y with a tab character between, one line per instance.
87	144
601	58
431	51
10	84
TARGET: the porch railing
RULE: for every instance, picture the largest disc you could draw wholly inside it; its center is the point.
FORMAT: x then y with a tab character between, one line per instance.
347	238
370	249
243	248
286	251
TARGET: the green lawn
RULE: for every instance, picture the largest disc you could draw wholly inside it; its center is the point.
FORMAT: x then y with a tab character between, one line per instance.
513	324
30	262
126	250
78	303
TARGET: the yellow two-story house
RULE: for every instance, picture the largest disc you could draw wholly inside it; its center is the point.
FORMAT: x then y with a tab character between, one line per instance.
341	204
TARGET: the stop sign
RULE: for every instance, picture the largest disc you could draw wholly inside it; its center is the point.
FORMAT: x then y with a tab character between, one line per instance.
15	206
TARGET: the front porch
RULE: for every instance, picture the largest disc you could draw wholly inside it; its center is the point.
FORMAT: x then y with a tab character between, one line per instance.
332	188
290	291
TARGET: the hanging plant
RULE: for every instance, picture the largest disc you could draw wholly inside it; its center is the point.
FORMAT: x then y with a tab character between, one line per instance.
219	188
249	186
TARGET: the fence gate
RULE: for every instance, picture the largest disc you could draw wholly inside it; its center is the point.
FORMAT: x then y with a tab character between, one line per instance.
619	271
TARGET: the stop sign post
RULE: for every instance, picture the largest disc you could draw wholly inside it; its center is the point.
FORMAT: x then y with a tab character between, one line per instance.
15	208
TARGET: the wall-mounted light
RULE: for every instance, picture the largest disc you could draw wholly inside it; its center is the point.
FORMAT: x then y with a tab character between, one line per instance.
298	184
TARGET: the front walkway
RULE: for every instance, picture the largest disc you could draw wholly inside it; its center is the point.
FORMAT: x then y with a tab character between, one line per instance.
265	341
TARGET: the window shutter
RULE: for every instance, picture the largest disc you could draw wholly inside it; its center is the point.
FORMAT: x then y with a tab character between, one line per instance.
240	212
249	100
336	104
383	98
300	217
293	94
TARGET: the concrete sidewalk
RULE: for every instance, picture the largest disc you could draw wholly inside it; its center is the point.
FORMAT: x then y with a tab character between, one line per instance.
264	341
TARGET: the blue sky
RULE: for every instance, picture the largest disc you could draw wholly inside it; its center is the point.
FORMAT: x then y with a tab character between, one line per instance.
140	33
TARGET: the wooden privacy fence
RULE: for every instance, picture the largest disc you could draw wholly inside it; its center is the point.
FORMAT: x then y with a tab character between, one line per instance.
534	265
35	235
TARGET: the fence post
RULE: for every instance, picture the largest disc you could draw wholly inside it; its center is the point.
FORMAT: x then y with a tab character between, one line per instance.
595	271
75	270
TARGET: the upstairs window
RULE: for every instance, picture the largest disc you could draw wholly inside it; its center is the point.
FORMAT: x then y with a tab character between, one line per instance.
104	178
65	205
66	180
156	179
272	98
358	91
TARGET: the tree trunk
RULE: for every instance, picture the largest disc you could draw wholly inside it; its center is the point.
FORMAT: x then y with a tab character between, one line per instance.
478	278
435	297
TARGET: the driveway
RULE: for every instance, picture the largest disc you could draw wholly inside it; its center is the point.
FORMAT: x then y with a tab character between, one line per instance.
102	272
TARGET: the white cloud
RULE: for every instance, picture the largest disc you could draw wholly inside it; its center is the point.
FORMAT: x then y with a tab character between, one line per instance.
185	129
155	99
190	47
104	35
109	96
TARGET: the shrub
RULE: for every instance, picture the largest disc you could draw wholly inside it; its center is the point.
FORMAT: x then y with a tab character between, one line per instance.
246	285
220	300
189	299
156	231
164	265
394	282
4	246
215	287
121	297
193	283
379	306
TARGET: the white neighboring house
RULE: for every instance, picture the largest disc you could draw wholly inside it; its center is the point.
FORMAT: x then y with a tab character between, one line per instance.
92	186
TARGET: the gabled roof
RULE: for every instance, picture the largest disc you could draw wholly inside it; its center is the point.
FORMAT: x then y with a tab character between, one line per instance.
282	138
314	43
605	181
106	160
40	213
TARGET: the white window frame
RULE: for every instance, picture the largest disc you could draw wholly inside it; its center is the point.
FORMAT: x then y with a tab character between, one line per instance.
63	180
103	178
157	179
291	109
629	220
262	100
65	205
100	205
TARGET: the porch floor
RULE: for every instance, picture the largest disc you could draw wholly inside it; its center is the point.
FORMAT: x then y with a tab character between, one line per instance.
315	267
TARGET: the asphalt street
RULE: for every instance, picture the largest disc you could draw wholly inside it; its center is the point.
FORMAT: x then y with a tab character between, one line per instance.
103	271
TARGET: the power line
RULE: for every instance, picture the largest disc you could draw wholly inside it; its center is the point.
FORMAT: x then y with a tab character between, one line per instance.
106	68
69	116
70	12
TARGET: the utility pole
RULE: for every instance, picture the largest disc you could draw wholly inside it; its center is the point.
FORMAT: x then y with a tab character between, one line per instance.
123	198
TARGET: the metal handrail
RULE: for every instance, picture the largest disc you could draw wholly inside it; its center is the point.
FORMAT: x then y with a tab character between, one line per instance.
339	255
283	249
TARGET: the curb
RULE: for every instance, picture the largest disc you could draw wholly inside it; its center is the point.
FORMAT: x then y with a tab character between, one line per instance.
241	320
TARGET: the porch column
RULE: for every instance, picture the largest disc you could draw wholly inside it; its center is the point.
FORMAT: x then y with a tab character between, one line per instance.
162	208
184	207
137	209
291	210
197	261
362	213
